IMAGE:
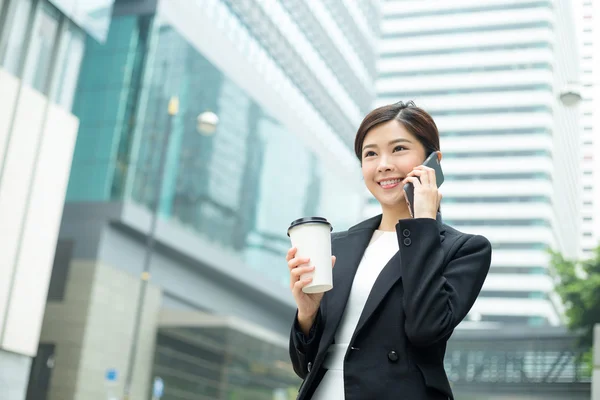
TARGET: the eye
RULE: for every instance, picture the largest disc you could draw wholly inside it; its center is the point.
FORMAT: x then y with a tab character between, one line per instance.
369	153
399	148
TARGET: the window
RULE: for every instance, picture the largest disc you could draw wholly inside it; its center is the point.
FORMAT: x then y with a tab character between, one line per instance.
587	219
481	8
468	70
19	24
495	47
520	246
512	294
498	222
67	67
500	270
497	199
471	29
498	132
500	176
501	154
495	110
481	89
587	188
587	234
43	40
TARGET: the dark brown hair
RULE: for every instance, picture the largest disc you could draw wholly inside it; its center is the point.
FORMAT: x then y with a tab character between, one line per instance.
416	120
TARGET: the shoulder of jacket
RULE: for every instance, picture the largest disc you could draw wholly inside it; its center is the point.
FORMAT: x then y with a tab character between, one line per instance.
456	235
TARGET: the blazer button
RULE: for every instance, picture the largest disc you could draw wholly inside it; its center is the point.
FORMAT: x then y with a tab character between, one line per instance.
407	242
309	366
393	356
406	233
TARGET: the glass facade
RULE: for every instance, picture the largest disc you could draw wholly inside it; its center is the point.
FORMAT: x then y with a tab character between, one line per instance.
239	187
42	46
222	363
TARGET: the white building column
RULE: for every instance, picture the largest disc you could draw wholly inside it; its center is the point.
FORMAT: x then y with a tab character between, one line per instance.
37	139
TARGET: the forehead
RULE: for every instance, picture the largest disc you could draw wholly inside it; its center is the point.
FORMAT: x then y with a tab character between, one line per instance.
387	131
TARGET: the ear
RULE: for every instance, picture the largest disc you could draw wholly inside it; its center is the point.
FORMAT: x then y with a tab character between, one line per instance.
439	156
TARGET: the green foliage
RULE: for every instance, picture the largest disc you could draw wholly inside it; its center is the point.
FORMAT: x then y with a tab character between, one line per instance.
578	285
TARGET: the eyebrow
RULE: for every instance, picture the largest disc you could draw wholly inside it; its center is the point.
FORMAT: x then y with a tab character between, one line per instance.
401	140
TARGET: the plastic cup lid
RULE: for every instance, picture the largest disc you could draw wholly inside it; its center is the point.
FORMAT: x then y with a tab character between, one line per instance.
309	220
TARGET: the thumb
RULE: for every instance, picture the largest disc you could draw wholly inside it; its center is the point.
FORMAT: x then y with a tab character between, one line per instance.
333	261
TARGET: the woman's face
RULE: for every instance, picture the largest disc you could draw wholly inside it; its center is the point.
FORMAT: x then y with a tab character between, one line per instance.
389	153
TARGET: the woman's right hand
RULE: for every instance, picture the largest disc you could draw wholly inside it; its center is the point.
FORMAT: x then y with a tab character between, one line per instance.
308	303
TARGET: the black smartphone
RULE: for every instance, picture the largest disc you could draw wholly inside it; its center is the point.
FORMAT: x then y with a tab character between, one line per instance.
409	190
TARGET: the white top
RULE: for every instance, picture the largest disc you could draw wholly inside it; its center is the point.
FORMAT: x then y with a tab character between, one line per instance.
381	249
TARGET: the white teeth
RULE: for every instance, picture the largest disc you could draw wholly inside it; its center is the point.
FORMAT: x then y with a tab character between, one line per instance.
390	182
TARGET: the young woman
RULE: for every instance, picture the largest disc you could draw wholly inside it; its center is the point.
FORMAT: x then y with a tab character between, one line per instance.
401	284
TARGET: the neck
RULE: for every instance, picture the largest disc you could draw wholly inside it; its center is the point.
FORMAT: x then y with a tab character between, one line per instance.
391	216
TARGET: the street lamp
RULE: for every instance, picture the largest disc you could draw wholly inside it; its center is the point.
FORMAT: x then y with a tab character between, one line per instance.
570	95
206	124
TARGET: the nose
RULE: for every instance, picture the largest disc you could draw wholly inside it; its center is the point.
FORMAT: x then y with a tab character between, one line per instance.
383	165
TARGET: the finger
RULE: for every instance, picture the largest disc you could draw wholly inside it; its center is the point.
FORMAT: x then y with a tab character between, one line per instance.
424	176
333	259
300	284
432	179
295	262
412	179
439	199
290	254
296	273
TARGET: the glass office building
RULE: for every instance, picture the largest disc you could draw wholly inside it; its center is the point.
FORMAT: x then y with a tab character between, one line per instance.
41	47
289	83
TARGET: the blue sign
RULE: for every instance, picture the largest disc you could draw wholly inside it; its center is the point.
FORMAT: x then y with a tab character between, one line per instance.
111	375
158	388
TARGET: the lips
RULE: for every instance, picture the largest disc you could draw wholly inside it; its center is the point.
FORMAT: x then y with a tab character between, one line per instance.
388	182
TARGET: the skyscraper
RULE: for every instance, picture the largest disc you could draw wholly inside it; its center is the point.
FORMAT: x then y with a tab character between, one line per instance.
587	13
289	82
491	74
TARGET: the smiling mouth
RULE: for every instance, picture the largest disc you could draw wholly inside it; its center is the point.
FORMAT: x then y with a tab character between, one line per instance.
390	183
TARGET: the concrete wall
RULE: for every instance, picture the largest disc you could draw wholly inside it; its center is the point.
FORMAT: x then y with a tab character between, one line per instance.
92	329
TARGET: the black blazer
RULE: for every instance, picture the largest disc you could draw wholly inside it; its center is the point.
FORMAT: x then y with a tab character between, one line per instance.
421	295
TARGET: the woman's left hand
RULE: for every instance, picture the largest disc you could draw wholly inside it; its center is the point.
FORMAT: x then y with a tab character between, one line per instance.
427	197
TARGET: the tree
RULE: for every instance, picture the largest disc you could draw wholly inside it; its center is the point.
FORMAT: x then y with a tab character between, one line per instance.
578	285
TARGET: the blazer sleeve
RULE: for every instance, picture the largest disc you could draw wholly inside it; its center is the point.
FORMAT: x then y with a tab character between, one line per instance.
438	292
303	349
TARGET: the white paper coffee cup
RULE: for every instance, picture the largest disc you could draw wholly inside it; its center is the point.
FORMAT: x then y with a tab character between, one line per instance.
312	237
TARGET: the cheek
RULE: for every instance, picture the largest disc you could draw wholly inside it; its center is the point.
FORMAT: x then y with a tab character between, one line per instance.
367	172
407	164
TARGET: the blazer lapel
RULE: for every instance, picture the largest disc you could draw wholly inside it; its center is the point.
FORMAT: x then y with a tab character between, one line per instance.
348	251
389	276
